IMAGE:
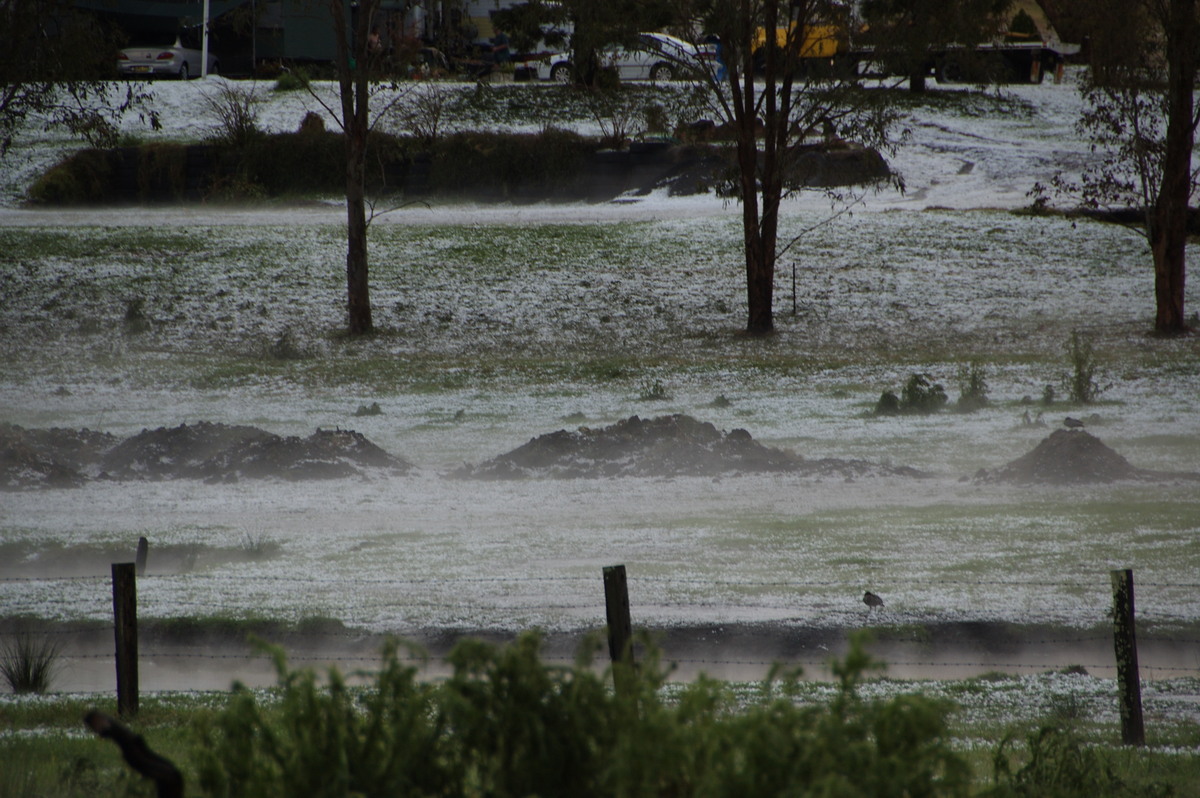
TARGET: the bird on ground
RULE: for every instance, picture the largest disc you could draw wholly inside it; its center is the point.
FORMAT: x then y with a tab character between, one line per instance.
1072	423
871	600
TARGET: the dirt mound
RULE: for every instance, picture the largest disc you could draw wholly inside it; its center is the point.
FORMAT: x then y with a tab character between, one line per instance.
676	445
219	452
48	457
1067	457
207	451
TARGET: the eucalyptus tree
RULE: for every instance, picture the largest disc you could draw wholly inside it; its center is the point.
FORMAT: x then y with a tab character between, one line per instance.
1141	116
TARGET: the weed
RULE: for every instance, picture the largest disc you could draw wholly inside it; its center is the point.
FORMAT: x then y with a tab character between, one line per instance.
292	79
1067	709
423	112
286	347
29	665
1082	386
372	409
1058	764
920	396
135	320
256	545
972	387
234	110
654	392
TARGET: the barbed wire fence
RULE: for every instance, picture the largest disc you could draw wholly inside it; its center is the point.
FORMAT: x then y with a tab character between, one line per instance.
175	606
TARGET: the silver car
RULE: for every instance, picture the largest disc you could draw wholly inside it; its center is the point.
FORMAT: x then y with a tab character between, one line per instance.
173	56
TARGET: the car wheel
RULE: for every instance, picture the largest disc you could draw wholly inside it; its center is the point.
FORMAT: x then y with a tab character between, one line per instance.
183	71
215	69
662	72
561	73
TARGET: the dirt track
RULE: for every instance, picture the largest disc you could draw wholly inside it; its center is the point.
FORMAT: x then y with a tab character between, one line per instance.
740	652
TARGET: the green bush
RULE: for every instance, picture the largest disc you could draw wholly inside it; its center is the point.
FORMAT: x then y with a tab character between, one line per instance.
972	387
1056	763
292	80
81	178
505	724
504	163
920	395
161	171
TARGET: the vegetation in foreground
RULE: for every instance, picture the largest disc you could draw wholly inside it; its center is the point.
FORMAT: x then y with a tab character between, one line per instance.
506	724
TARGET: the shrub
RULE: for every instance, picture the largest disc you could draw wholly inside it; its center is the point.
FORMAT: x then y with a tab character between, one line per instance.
292	80
654	391
28	665
161	171
505	163
81	178
1057	764
1082	385
920	395
234	110
972	387
505	724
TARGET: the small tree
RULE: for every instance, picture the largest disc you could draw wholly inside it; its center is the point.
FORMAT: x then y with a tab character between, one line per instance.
1082	384
358	60
775	105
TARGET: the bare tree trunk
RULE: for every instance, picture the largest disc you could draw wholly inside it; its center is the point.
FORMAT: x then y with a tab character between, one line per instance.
358	291
352	37
1168	221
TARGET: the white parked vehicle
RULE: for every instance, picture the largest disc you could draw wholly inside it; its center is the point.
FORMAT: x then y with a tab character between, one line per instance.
171	56
657	56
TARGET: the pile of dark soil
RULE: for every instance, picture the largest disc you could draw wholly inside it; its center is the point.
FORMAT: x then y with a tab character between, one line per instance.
676	445
1071	457
52	458
211	452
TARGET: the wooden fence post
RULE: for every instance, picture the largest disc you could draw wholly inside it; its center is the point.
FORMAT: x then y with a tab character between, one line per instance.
620	628
143	549
124	581
1129	686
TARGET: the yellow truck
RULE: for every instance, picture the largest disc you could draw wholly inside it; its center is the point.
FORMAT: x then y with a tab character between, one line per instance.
823	48
826	49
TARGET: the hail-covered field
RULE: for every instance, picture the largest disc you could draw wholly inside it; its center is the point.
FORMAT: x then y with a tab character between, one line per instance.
500	323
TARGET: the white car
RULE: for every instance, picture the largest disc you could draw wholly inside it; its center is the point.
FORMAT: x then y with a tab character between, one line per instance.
173	56
657	56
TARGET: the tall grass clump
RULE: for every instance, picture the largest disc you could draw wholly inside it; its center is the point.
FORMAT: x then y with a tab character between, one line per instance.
1082	384
507	724
972	387
29	665
1056	763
